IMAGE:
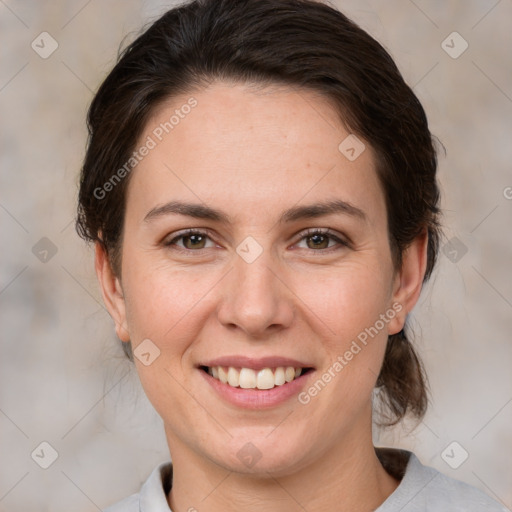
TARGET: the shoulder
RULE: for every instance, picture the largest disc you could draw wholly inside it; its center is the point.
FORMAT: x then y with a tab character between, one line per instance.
444	490
153	493
425	489
129	504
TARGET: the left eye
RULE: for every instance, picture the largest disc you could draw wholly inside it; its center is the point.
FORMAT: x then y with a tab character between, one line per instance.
320	239
315	239
191	240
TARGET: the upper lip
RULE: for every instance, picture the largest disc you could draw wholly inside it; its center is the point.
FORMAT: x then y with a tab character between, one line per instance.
255	363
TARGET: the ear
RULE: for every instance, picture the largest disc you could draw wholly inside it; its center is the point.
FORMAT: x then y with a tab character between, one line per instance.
112	292
408	281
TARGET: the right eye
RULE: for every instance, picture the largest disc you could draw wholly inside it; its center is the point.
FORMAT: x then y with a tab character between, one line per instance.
192	239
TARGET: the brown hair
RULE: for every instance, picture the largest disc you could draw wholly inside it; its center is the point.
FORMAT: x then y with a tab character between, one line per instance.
299	43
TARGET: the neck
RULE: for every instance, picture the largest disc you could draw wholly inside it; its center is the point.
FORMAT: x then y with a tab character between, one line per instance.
347	477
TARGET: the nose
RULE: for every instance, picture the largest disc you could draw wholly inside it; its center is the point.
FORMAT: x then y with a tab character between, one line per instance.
256	298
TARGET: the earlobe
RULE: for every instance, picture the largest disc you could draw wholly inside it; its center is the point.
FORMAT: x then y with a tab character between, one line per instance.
409	280
111	291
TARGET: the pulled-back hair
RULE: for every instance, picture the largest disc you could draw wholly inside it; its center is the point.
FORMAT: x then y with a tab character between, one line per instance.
301	44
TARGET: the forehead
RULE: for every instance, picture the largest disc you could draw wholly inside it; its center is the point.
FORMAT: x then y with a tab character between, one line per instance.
232	146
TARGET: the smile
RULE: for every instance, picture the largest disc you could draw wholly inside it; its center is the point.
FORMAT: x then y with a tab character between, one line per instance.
247	378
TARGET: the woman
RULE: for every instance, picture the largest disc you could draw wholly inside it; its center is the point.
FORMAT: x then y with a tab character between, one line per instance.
260	185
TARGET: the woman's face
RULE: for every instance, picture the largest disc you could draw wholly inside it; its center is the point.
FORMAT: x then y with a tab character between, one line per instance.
252	172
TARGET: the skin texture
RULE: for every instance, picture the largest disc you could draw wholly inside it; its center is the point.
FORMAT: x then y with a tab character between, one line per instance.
253	154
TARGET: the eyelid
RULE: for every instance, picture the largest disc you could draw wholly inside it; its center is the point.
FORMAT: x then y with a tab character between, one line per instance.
168	240
342	240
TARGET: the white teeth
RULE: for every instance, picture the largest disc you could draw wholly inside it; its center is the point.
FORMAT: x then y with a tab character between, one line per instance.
233	377
265	379
279	379
289	373
223	375
247	378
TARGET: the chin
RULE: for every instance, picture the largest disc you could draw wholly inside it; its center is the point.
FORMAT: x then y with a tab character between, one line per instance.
259	456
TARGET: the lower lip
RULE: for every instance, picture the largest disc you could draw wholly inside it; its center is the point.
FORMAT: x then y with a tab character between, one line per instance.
257	398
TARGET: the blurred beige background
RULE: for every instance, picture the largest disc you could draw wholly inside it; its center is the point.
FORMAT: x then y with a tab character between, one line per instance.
63	377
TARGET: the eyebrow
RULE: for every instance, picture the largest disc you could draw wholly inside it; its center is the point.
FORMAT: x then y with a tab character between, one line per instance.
199	211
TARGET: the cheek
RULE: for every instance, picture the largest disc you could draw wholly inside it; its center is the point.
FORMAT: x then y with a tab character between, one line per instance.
347	300
163	303
353	313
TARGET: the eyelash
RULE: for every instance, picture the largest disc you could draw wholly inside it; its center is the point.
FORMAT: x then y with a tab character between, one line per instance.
307	234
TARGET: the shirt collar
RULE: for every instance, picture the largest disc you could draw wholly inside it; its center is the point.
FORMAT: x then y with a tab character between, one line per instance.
153	494
401	463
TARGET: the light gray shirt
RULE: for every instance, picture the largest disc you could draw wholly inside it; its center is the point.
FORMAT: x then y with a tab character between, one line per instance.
421	489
